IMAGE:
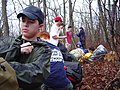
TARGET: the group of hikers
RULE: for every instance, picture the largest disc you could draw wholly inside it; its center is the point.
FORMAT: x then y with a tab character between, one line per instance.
38	57
38	63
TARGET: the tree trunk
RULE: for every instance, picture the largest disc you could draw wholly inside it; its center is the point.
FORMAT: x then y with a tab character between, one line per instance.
103	21
70	13
64	19
113	24
44	6
5	19
91	21
0	29
71	21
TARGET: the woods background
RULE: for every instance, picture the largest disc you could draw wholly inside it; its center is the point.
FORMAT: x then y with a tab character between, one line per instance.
100	18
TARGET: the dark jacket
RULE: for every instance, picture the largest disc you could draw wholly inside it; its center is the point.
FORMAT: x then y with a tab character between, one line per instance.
81	35
31	69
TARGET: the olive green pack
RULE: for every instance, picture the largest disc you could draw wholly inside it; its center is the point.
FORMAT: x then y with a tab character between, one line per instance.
8	79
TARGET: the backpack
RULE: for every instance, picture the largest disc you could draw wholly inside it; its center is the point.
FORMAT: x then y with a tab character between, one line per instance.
8	79
73	72
98	53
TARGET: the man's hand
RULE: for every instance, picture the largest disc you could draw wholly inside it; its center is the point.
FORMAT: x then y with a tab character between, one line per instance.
64	36
26	48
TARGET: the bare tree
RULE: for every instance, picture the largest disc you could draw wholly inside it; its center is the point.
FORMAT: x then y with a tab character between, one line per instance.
5	19
103	19
71	10
91	20
44	6
113	24
0	29
71	22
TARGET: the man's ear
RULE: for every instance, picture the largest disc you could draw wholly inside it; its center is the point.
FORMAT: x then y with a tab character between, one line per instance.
41	27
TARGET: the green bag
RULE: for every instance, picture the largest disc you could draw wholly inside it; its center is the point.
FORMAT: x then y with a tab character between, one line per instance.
8	79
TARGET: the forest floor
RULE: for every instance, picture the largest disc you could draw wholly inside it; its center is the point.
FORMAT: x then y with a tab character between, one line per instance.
96	75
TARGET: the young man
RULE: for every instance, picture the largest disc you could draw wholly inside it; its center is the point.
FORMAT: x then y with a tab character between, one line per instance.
29	57
82	37
55	31
57	79
69	38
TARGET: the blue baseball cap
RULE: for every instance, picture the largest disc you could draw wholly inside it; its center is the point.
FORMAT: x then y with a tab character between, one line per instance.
32	12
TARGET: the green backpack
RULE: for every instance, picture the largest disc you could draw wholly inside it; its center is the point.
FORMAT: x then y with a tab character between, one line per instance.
8	79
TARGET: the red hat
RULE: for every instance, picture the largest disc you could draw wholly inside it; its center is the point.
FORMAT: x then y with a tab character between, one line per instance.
58	18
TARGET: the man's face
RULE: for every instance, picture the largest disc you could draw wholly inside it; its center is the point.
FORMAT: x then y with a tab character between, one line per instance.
58	23
29	28
70	29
